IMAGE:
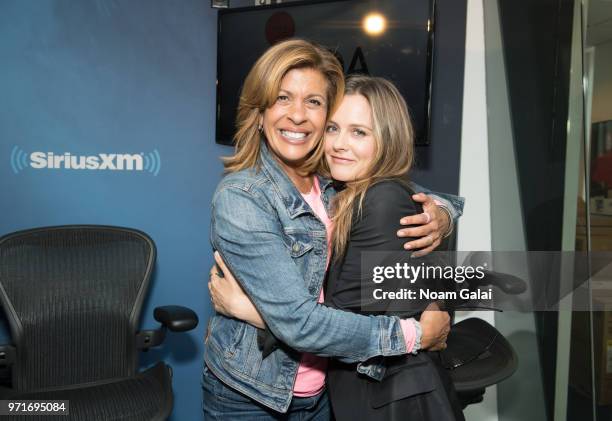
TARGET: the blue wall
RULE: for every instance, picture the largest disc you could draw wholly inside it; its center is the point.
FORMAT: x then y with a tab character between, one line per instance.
109	76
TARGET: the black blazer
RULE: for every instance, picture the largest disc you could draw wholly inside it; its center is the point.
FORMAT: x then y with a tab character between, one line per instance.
414	386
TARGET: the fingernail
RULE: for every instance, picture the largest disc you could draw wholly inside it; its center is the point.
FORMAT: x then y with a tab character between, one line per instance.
407	246
400	233
413	256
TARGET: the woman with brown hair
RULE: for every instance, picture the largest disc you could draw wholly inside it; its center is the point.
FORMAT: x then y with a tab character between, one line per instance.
270	226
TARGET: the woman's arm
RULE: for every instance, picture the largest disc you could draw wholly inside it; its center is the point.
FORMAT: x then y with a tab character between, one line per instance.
229	299
440	214
247	233
454	204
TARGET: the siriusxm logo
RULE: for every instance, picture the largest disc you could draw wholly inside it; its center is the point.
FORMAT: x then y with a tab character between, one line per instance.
150	162
102	161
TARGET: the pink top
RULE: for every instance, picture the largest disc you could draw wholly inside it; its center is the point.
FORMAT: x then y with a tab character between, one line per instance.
310	379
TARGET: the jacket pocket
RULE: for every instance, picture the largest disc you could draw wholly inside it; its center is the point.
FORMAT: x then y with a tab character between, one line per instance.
236	339
298	241
403	382
209	329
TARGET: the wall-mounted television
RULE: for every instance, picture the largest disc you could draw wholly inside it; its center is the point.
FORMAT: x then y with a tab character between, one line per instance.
402	53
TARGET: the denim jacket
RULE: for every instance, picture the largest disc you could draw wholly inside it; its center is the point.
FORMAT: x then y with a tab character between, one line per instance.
276	248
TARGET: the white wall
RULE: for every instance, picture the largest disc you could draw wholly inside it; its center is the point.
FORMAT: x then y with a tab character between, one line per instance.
474	232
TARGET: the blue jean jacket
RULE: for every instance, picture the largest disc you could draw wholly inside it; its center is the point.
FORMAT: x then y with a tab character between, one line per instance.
276	249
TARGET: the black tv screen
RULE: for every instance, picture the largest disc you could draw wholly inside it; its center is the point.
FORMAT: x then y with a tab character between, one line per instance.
402	53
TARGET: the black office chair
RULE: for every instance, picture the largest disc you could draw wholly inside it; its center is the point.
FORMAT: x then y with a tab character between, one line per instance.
477	354
73	296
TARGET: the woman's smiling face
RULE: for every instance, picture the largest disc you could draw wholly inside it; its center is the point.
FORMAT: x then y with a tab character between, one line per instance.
294	124
350	146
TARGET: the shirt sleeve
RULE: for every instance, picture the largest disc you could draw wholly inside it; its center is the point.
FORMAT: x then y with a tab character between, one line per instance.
453	204
412	334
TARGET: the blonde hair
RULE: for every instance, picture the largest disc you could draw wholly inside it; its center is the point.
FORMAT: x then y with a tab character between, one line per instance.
261	88
394	151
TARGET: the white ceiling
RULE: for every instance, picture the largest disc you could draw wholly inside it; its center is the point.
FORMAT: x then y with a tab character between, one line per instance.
599	23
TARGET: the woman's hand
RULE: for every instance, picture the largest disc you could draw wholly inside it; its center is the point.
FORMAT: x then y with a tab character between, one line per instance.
435	326
229	298
431	226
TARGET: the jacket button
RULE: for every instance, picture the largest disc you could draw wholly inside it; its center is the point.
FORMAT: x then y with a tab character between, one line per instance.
296	248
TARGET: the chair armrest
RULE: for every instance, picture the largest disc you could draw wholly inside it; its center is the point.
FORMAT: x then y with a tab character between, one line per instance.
7	355
509	284
176	318
146	339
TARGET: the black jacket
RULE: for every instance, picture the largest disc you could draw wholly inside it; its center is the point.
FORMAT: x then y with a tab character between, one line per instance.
414	386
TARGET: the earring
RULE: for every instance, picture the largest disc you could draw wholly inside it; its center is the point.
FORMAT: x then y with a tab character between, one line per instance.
260	128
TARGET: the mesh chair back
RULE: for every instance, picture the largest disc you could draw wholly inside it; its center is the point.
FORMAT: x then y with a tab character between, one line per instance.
73	297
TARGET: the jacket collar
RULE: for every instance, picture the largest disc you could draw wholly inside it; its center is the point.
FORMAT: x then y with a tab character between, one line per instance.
291	197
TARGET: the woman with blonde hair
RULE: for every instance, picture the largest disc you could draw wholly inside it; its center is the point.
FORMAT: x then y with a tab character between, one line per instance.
270	227
369	147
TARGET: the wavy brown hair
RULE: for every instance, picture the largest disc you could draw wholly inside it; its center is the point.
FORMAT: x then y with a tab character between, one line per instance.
261	88
393	157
